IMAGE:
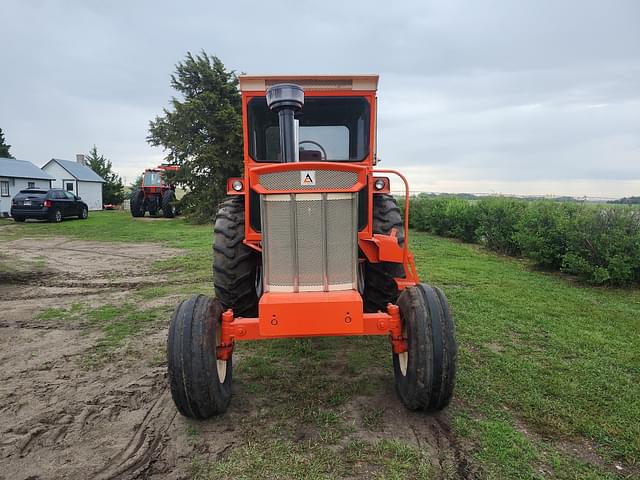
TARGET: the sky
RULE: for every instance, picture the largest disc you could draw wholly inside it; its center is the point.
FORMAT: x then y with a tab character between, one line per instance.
508	97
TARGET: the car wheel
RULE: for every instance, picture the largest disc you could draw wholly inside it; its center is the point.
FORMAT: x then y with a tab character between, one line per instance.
84	214
56	216
19	219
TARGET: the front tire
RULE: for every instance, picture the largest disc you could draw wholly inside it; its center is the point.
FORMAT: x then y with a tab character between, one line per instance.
84	214
19	219
235	265
425	373
200	383
137	203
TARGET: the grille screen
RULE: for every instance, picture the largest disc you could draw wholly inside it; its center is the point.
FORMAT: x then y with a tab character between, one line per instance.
324	179
309	241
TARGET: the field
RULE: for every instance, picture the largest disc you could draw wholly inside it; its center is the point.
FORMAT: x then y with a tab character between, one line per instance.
548	383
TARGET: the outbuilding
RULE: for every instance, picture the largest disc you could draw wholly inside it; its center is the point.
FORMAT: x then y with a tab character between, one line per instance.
78	178
16	175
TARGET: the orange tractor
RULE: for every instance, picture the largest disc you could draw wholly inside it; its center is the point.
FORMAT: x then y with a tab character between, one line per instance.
311	243
154	194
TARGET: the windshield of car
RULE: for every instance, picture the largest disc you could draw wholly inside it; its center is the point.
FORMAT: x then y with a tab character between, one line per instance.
151	179
330	129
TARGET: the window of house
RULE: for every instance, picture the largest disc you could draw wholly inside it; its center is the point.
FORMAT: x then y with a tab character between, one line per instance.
31	184
69	186
4	188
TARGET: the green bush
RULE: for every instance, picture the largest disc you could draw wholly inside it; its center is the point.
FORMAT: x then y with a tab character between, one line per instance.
541	232
445	216
599	244
498	218
603	245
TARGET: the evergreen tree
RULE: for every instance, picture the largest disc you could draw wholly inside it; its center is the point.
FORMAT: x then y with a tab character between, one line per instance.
4	148
202	132
112	189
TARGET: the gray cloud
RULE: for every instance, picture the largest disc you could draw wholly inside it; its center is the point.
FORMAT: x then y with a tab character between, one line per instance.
532	97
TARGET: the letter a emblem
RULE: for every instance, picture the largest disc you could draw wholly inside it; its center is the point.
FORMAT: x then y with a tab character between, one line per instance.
307	178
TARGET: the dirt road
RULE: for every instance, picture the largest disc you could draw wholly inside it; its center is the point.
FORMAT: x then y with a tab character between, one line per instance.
61	418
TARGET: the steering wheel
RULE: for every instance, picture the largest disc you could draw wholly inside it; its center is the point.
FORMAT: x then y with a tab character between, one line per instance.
322	150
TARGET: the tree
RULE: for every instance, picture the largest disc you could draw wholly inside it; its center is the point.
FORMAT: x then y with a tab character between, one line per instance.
202	132
137	183
112	189
4	148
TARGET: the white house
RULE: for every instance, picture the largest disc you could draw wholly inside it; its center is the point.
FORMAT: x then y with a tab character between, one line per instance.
76	177
16	175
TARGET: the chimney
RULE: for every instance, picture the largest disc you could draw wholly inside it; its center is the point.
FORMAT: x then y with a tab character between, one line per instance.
80	159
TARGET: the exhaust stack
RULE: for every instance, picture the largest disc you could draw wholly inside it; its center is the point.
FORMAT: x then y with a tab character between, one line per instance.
287	99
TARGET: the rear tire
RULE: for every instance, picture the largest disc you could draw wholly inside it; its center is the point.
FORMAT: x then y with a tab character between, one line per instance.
235	266
380	288
137	203
19	219
425	374
55	216
168	204
200	383
152	205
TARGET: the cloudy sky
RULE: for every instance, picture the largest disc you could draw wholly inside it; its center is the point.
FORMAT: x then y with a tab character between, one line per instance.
529	97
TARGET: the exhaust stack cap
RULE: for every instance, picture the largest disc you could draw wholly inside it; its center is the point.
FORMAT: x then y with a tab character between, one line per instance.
285	95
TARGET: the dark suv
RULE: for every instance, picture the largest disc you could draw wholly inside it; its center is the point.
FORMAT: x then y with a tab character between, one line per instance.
52	205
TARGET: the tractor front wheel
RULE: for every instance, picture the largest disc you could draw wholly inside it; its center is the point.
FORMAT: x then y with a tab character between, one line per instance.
136	203
200	383
425	373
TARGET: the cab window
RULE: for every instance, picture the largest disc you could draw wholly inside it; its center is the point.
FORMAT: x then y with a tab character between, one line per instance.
151	179
330	129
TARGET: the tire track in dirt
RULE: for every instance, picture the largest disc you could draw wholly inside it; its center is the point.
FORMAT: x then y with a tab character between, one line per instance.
59	419
145	444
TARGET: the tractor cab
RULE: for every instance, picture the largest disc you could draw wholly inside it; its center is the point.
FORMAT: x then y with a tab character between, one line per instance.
310	242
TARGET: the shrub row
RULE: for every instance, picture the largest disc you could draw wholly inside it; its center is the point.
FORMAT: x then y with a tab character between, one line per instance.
600	244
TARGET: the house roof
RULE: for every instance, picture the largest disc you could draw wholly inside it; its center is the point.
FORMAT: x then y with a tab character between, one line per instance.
77	170
10	167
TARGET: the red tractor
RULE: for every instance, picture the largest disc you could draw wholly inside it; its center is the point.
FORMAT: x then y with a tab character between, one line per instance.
155	194
310	242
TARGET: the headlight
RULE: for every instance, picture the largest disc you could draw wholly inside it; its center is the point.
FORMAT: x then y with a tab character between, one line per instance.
237	185
379	184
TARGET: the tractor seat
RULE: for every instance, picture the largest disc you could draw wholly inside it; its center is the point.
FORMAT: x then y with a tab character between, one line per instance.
310	155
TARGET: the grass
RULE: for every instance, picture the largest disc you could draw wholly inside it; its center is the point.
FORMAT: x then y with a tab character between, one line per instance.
537	348
548	370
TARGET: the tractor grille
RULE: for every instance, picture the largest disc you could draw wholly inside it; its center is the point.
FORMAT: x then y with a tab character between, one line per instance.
325	179
309	241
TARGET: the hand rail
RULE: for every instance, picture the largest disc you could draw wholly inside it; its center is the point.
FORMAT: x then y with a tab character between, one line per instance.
405	253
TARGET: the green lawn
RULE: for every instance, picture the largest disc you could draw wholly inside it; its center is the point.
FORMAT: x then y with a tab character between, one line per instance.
548	383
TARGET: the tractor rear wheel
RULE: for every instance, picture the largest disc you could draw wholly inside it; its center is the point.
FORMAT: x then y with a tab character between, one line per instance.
200	383
235	266
153	205
136	203
425	373
168	204
380	288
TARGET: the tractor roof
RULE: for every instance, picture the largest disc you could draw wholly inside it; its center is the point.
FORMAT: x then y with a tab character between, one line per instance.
259	83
